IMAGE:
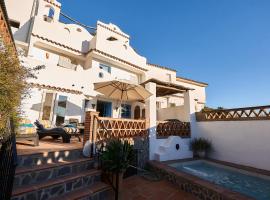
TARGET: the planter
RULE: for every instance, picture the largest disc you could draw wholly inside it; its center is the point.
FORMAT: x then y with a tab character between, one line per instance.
201	154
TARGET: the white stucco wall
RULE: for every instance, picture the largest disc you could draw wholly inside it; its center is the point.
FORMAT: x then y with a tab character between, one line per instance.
20	11
177	112
242	142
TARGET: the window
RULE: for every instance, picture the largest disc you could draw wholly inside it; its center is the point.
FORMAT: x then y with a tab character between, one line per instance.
125	111
47	106
111	38
104	108
49	16
100	75
61	110
137	112
51	12
105	68
86	104
158	104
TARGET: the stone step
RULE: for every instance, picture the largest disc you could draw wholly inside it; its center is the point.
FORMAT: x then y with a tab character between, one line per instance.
55	187
30	160
99	191
41	173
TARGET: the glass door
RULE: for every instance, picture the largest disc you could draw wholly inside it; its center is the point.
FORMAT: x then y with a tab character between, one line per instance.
104	108
61	110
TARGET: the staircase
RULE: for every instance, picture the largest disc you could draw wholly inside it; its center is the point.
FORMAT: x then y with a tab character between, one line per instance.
58	175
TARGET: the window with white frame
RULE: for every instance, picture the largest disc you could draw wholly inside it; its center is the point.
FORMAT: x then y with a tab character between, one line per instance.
105	68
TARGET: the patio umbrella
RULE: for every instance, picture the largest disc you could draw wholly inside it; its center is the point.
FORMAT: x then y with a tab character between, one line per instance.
122	91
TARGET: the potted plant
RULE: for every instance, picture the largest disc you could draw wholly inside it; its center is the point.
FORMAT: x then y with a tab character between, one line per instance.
200	147
116	158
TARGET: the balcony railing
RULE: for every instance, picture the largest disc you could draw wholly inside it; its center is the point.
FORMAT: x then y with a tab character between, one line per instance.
173	128
66	63
236	114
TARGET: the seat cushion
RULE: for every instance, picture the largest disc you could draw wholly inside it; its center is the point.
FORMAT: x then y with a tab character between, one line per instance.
71	130
46	123
26	127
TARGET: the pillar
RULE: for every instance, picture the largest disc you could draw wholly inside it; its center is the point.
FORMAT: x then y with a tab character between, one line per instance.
89	125
189	107
151	117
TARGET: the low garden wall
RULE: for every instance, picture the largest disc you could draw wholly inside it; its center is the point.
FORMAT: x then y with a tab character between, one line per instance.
239	136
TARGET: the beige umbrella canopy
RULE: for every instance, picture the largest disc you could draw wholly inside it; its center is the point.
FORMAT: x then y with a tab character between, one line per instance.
122	91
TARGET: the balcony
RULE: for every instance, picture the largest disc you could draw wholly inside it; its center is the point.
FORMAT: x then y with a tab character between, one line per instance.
66	63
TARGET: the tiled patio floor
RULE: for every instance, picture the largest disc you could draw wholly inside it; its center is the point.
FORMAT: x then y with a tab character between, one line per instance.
138	188
47	144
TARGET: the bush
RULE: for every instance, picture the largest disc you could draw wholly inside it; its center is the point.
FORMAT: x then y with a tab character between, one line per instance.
200	144
13	87
118	156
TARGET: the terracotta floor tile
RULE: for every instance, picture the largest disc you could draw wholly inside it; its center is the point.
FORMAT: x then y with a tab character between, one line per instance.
138	188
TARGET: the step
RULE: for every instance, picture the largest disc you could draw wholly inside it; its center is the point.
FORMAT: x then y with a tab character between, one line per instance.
39	173
56	187
99	191
29	160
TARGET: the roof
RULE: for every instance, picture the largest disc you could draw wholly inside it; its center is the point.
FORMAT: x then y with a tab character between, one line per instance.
186	80
166	88
162	67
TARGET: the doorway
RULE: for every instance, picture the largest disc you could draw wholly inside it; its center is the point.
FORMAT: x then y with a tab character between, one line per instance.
104	108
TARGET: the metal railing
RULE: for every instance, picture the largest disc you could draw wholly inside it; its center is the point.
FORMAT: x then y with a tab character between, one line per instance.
8	162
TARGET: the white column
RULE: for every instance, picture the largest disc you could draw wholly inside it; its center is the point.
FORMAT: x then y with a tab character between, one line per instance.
189	106
151	116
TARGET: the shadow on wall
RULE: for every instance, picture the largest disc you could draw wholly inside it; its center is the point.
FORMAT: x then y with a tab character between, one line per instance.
71	109
22	32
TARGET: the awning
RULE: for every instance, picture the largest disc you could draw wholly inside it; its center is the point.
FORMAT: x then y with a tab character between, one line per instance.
166	88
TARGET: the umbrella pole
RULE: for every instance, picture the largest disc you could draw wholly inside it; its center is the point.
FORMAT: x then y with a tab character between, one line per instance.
120	109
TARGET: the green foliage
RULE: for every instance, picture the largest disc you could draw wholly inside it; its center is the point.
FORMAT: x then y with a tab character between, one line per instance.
12	84
200	144
117	156
13	87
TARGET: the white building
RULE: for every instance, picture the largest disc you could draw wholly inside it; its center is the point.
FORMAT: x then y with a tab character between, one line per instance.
75	59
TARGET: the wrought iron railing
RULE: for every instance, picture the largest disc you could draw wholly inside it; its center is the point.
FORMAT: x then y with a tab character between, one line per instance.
8	162
173	128
236	114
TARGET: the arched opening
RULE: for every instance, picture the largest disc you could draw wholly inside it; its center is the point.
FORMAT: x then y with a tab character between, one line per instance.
143	113
137	112
51	12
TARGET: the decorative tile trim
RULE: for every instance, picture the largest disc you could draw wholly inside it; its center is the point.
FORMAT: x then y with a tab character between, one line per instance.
116	58
56	43
50	2
43	86
162	67
103	26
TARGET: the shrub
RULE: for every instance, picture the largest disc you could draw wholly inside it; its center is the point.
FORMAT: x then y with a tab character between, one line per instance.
13	87
118	156
200	144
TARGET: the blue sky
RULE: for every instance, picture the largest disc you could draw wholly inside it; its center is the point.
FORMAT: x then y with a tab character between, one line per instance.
225	43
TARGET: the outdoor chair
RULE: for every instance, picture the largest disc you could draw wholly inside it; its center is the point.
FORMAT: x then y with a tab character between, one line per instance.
44	128
27	131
